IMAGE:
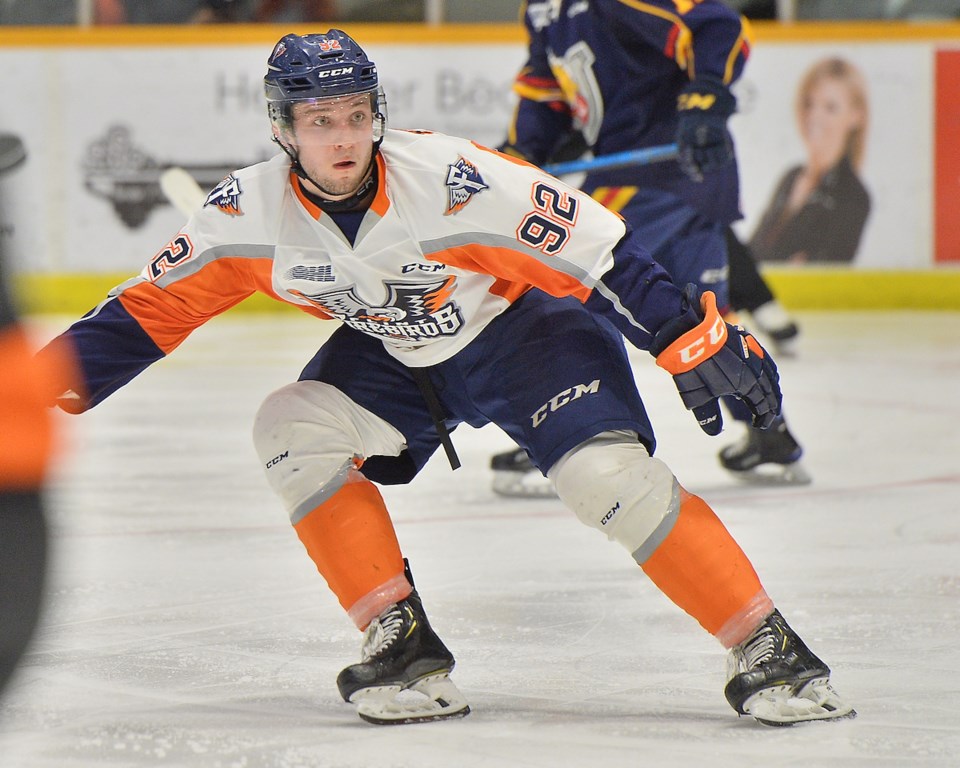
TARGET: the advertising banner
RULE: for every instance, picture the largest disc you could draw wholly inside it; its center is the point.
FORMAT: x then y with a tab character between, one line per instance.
836	154
847	148
947	158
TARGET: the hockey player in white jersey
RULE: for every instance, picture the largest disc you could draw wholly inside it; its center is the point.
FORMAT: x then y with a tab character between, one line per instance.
472	288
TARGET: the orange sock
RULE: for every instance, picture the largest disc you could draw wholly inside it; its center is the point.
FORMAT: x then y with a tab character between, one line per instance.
702	569
351	539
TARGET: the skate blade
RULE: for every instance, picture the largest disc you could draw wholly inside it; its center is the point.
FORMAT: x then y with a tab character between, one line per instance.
522	485
774	474
815	700
431	698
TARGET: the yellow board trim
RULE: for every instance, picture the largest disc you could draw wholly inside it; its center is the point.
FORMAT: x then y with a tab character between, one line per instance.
74	294
796	289
763	32
267	34
866	289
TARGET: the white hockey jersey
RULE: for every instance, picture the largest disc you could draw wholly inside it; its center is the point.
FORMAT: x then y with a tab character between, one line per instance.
455	234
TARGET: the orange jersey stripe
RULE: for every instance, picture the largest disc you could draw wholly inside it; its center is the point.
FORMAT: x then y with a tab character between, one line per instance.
169	314
511	267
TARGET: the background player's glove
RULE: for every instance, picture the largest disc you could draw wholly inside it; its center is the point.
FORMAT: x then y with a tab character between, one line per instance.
703	140
712	358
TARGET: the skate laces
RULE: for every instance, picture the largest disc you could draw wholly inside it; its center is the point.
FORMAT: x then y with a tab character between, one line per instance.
764	644
382	632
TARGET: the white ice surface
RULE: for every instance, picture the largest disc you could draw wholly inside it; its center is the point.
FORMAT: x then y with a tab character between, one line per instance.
185	627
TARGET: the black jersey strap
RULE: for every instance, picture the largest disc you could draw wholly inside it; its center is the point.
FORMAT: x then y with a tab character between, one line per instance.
422	377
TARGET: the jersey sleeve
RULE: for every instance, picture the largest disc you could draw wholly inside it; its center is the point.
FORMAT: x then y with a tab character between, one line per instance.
526	228
147	317
636	294
703	37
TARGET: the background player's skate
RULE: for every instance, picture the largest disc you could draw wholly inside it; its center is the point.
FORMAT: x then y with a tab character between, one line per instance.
764	457
514	476
770	456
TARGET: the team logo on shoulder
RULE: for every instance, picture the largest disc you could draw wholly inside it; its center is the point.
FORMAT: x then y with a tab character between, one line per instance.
226	196
463	182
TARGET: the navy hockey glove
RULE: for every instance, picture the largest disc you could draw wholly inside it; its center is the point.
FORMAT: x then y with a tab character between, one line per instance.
703	141
712	358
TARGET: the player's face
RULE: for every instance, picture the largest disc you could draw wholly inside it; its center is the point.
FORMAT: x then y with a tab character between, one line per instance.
828	117
334	140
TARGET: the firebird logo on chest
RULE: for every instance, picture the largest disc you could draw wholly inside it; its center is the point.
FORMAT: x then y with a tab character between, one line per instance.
412	311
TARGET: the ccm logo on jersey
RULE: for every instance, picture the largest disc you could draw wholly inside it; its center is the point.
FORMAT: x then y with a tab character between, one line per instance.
561	399
423	268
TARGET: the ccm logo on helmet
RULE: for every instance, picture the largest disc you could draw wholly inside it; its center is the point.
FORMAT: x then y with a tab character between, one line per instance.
334	72
561	399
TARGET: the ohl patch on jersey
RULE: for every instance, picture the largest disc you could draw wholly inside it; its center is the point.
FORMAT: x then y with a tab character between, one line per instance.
226	196
463	182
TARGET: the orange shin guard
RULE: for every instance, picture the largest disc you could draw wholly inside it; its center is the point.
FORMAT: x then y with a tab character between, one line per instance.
351	539
702	569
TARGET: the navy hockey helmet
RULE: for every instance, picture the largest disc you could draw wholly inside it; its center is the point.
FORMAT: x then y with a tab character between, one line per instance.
320	66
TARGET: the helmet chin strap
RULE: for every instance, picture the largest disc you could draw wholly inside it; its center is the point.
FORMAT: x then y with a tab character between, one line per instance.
345	204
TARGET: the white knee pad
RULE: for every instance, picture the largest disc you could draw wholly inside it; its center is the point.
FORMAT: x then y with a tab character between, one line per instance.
613	484
308	435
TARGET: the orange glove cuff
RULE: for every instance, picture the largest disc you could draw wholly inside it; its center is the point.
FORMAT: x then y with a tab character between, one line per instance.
697	344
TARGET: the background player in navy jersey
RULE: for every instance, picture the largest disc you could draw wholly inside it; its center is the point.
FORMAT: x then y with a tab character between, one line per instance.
629	75
471	288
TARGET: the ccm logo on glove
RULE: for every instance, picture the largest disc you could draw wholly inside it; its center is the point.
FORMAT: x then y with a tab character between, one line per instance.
694	346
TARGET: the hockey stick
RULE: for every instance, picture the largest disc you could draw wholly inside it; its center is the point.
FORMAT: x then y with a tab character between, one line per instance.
631	157
182	190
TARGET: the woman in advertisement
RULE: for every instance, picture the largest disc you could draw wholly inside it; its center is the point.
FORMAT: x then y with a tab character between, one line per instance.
818	210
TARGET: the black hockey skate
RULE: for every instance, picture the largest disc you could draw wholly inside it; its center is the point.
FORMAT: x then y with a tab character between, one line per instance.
775	678
515	476
772	320
401	653
766	456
